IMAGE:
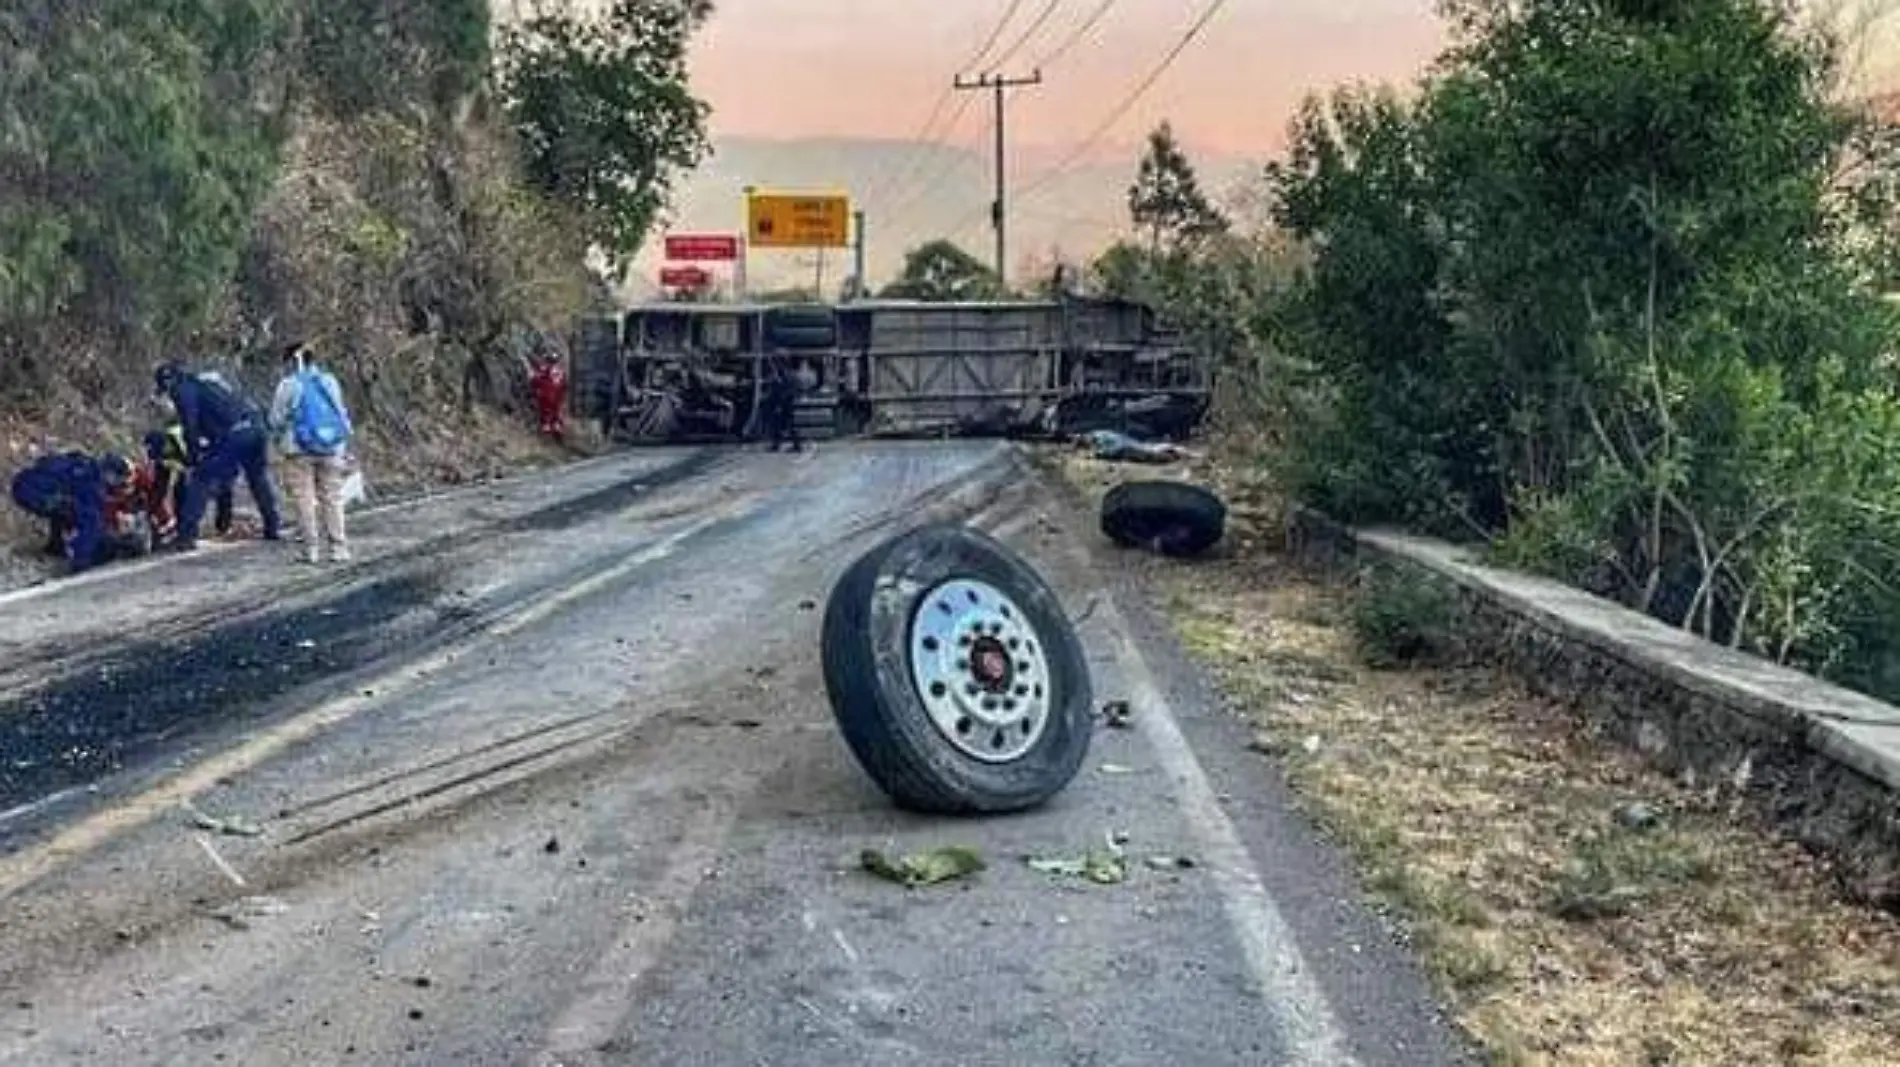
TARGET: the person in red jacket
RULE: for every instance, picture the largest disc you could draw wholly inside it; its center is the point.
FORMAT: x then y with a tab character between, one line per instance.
547	383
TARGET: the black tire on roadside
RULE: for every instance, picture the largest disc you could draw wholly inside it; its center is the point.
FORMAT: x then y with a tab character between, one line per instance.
891	606
1172	518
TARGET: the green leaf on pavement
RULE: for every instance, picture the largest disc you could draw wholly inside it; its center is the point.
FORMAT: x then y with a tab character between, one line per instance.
923	868
1106	866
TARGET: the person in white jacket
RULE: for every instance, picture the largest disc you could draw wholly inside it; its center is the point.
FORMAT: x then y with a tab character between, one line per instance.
313	429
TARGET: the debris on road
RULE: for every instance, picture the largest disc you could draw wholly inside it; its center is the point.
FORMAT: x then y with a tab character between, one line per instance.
237	915
229	825
1107	866
1116	768
552	847
1117	715
923	868
1637	815
981	635
1267	745
224	868
1171	863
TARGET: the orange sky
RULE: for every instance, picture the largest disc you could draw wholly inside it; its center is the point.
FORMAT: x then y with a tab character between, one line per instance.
872	68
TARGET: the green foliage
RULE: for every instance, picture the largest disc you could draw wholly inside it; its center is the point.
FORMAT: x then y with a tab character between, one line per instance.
1607	293
132	154
371	55
604	114
1401	618
139	140
940	271
1166	201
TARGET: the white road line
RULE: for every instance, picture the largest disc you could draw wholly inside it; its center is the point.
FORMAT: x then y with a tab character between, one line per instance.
606	995
1298	1005
27	866
111	572
116	571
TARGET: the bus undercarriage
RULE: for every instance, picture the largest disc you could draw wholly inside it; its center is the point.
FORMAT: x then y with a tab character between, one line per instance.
681	372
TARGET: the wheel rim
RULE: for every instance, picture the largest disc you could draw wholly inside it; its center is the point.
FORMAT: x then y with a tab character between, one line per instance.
981	670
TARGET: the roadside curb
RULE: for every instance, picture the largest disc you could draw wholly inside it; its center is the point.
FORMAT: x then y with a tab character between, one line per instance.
1817	760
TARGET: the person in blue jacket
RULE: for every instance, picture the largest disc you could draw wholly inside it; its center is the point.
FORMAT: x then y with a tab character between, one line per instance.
78	495
225	435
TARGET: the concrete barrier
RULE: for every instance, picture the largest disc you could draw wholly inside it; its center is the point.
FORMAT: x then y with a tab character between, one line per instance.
1821	762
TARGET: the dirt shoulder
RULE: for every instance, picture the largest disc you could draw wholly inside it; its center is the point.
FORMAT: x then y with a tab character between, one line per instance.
1573	905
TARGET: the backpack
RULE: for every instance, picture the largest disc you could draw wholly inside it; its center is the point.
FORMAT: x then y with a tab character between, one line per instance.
317	425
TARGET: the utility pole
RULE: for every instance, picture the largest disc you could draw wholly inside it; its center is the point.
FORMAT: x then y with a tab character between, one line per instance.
997	83
857	249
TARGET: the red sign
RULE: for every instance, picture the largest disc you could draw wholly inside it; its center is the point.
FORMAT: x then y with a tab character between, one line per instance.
702	247
684	278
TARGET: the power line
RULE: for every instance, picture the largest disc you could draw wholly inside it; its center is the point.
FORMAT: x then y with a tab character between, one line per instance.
927	132
1128	102
1076	35
1035	24
903	204
995	33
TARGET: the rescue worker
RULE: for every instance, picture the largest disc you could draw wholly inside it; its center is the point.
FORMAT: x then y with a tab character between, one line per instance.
781	404
547	383
167	462
90	504
224	436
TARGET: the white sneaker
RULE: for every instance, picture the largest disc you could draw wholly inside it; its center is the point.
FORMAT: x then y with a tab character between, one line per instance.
340	555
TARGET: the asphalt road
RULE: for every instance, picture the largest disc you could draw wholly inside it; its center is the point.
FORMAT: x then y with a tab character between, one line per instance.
551	779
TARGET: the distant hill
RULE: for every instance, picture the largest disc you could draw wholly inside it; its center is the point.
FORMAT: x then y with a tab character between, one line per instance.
913	193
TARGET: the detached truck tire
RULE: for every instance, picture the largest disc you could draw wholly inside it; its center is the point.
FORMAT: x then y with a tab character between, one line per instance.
957	680
1172	518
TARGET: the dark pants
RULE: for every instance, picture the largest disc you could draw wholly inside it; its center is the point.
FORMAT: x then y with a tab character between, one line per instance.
170	491
243	451
781	421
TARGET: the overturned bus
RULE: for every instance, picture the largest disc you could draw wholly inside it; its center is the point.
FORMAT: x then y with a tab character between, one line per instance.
678	372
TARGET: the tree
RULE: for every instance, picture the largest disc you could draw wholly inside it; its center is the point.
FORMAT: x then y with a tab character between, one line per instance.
366	55
604	113
1601	295
137	143
1166	201
940	271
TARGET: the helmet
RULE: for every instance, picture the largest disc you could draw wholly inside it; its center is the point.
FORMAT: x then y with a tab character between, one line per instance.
168	375
116	468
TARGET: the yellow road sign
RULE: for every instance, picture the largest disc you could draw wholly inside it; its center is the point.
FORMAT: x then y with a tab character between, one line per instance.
798	220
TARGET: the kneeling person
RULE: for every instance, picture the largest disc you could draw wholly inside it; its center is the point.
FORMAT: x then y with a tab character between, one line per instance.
89	504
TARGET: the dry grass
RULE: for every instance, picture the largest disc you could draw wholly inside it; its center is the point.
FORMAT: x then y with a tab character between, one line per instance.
1574	906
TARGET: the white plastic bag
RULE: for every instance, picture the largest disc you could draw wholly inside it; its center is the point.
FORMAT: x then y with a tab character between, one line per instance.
355	491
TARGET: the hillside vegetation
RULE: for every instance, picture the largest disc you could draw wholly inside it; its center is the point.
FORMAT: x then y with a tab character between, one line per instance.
395	182
1605	293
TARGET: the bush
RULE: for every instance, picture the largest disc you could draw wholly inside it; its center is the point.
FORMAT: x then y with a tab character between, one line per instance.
1400	618
1602	296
